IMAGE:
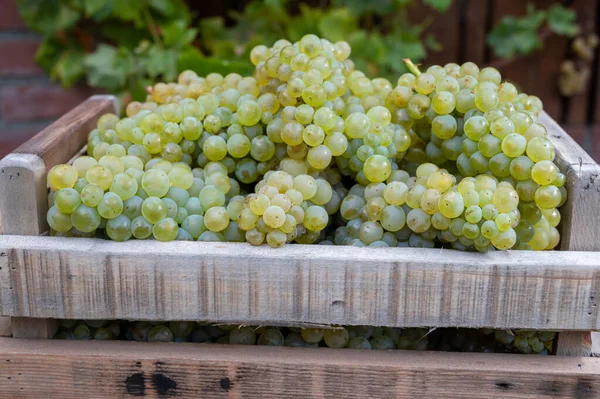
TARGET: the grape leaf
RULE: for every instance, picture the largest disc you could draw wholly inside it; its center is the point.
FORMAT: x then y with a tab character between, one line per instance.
439	5
69	68
47	16
562	20
337	24
517	36
93	7
362	7
177	33
108	67
191	58
129	10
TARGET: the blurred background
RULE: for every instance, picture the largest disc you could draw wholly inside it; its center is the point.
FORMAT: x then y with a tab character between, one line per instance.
55	53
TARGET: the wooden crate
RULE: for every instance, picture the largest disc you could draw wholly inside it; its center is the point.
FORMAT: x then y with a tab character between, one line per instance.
44	278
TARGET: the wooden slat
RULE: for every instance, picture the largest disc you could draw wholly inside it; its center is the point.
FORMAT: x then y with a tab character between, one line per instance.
580	214
444	27
23	195
93	369
139	280
580	220
25	327
58	142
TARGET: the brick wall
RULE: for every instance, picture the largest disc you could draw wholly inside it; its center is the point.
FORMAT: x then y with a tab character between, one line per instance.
29	101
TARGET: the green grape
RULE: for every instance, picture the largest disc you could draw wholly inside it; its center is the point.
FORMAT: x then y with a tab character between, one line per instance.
443	102
315	218
66	200
544	172
382	342
473	214
444	126
62	176
377	168
312	335
514	145
85	219
499	165
418	220
547	197
119	228
538	149
110	206
336	338
271	337
156	183
489	229
165	230
359	343
490	145
465	100
337	143
141	228
521	167
216	218
392	218
83	164
100	176
58	221
154	209
451	204
124	186
160	333
425	83
505	239
370	232
171	207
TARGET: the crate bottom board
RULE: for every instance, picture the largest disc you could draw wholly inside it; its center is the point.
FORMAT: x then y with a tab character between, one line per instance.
115	369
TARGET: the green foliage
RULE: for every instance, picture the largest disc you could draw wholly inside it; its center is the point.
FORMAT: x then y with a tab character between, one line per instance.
124	45
520	36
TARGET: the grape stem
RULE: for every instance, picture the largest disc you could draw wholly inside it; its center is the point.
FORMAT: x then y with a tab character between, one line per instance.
412	67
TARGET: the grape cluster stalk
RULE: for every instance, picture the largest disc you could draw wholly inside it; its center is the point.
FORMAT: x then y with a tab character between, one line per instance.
312	151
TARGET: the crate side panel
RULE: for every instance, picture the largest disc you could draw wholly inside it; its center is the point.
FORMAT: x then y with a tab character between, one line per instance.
232	282
74	369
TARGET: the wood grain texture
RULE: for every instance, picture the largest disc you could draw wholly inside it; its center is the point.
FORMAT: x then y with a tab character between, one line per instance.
58	142
93	369
139	280
581	212
25	327
23	195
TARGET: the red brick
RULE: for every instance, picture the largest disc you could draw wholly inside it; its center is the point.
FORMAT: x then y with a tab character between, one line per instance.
11	138
19	57
9	15
29	103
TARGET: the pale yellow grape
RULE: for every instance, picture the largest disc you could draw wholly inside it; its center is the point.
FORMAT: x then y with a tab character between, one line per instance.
58	221
276	238
124	186
215	148
91	195
292	133
181	177
259	204
238	145
274	216
99	175
547	197
337	143
165	230
315	218
221	182
544	172
377	168
295	196
418	220
249	113
155	183
430	201
395	193
540	149
313	135
314	95
323	194
320	157
306	185
393	218
216	219
325	118
440	180
66	200
451	204
357	125
85	219
211	196
62	176
83	164
282	181
114	164
267	190
110	206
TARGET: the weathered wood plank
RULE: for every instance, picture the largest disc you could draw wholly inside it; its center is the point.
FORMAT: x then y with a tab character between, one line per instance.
93	369
139	280
580	214
25	327
580	221
58	142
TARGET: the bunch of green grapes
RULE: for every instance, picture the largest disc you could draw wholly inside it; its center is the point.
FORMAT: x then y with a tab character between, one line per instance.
526	341
310	150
